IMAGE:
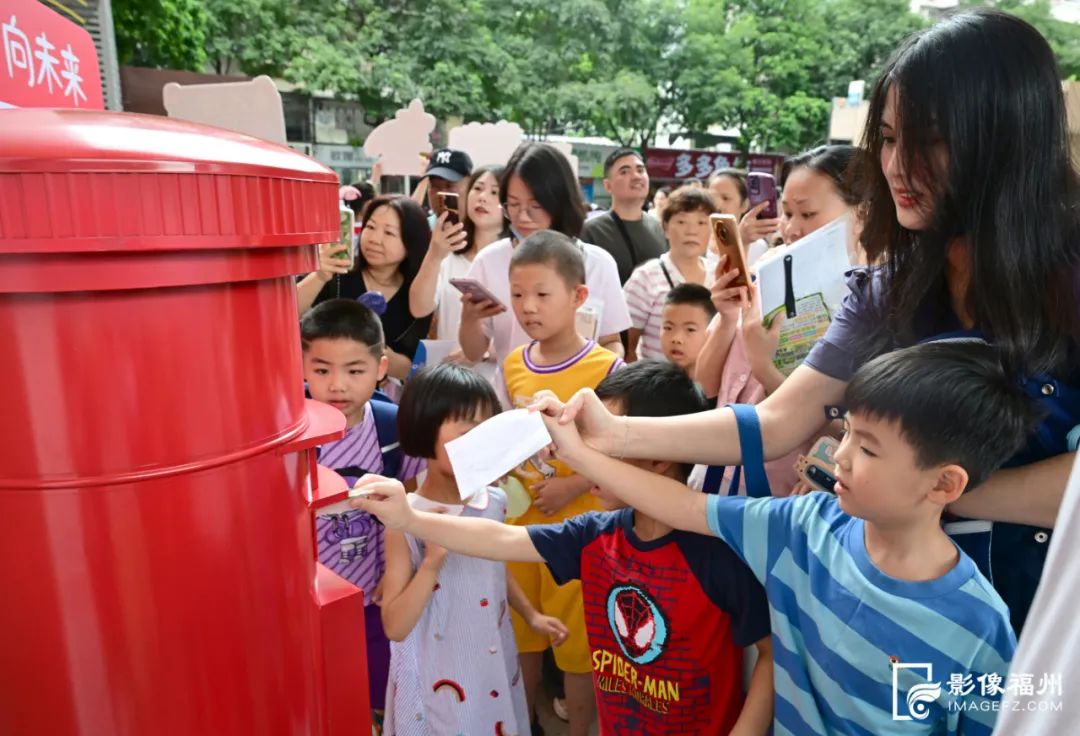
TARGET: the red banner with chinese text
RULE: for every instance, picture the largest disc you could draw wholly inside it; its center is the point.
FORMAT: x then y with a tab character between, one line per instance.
670	163
46	60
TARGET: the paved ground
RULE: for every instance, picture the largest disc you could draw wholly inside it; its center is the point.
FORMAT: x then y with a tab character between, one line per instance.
549	721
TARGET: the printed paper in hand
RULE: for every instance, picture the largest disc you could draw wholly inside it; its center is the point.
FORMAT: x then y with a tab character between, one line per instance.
806	282
494	448
818	264
799	333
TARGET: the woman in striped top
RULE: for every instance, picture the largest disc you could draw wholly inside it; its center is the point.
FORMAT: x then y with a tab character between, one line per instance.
686	225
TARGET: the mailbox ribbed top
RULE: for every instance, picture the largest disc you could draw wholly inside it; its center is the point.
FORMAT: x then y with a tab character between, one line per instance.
88	181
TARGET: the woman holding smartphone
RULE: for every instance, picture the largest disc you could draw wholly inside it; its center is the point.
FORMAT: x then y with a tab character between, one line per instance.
538	191
736	365
392	245
731	194
453	248
971	213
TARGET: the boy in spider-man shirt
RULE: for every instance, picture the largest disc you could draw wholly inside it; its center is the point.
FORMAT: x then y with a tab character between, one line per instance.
667	612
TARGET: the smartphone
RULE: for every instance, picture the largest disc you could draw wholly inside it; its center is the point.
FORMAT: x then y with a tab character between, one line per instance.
728	242
761	187
820	478
450	202
346	240
475	291
816	466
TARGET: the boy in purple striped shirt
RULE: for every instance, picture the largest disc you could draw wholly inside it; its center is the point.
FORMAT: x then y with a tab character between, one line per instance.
343	363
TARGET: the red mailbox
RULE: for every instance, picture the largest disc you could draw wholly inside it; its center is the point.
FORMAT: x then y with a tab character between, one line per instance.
157	565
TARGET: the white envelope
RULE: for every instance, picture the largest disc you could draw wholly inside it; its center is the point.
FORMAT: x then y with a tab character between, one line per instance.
491	450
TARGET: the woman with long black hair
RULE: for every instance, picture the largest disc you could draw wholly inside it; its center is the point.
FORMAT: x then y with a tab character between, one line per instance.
971	211
538	191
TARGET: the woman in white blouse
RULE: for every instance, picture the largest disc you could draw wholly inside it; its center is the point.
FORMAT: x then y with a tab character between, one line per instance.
451	253
539	191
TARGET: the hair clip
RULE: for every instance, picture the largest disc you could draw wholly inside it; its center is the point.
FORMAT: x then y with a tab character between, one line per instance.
374	301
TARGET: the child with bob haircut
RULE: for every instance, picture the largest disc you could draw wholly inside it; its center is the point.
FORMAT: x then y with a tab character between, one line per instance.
668	612
453	660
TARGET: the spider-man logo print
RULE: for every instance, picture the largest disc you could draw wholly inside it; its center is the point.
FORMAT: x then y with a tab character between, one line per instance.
637	622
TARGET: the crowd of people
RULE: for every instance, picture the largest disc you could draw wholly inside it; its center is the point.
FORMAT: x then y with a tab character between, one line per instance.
671	531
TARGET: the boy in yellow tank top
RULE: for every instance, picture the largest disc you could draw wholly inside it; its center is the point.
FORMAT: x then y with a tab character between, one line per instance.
547	287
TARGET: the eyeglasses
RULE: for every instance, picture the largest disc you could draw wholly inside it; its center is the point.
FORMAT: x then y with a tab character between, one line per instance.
533	210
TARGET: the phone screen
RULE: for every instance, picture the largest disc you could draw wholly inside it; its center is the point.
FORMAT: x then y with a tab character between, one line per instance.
821	478
474	290
728	242
450	202
761	187
346	241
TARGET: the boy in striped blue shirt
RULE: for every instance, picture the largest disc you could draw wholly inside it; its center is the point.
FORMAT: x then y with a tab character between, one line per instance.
881	624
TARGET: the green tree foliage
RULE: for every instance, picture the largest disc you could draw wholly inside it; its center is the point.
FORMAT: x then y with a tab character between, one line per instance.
161	33
617	68
250	36
616	78
862	34
1064	37
769	68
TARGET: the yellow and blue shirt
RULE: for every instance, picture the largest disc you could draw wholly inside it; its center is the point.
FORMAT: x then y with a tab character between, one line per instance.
524	379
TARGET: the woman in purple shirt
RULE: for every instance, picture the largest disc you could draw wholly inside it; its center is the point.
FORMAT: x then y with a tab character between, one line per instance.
972	215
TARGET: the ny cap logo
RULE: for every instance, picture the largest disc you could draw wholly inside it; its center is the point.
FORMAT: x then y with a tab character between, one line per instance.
442	157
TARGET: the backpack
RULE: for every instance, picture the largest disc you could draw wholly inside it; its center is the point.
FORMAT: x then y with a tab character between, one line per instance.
385	413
